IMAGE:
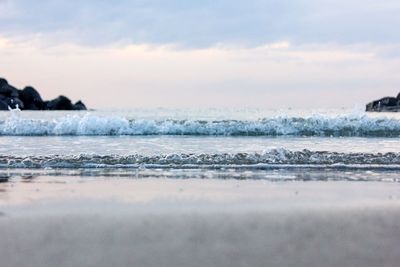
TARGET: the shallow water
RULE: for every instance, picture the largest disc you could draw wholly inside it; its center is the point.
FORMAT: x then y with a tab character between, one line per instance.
154	145
243	143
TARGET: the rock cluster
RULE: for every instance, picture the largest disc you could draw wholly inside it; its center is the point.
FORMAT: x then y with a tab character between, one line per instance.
391	104
30	99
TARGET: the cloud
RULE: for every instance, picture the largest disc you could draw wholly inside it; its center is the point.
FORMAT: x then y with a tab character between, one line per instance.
203	23
261	53
273	75
7	10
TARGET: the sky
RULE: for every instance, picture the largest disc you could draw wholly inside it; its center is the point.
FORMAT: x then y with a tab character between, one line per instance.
211	53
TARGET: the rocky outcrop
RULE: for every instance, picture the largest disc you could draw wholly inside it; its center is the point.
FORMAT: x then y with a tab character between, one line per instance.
386	104
30	99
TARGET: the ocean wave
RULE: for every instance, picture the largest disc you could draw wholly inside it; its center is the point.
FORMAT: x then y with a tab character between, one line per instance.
275	158
317	125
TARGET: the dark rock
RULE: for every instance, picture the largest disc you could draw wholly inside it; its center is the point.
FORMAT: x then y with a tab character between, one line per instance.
14	92
388	101
3	105
31	98
391	104
14	103
7	90
79	106
60	103
3	82
32	106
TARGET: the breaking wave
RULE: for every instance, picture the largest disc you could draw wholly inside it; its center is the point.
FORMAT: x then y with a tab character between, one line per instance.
317	125
275	158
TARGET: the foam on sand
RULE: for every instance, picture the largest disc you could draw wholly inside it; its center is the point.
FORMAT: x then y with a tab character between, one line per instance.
273	158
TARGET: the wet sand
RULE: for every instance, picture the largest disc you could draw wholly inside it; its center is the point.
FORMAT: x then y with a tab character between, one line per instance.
71	221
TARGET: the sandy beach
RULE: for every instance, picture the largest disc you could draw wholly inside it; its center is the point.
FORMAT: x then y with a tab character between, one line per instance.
227	133
75	221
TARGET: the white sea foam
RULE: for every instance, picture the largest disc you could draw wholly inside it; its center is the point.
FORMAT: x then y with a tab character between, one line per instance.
275	158
316	125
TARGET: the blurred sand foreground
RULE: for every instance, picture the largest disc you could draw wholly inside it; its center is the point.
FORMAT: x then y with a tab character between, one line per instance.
167	222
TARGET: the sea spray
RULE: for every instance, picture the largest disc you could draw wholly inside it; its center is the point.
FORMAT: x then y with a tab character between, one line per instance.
87	124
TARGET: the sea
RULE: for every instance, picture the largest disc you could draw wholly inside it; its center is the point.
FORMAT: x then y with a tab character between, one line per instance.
279	145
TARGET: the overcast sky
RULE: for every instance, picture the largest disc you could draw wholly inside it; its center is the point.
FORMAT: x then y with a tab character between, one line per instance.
227	53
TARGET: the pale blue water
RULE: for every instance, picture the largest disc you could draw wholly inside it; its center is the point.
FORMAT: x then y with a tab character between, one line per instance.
246	143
